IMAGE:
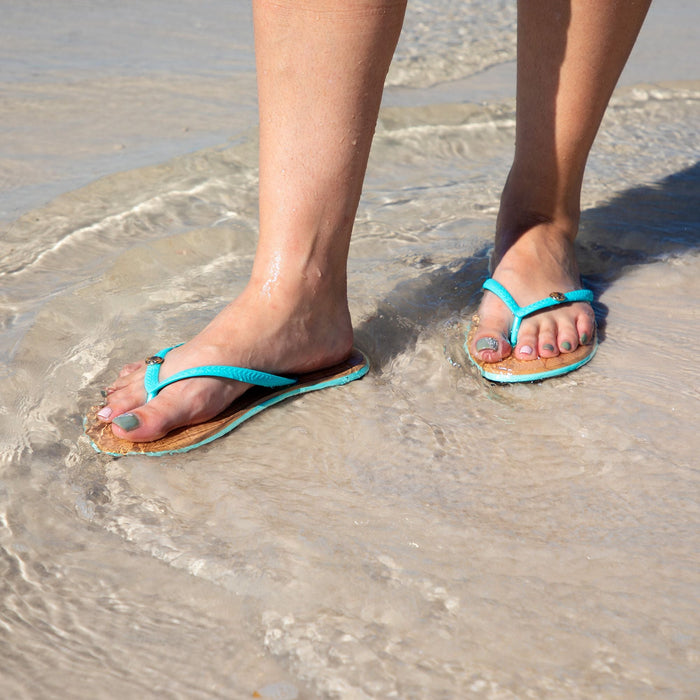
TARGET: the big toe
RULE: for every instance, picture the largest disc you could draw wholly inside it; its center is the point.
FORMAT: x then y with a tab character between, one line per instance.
148	422
489	345
183	403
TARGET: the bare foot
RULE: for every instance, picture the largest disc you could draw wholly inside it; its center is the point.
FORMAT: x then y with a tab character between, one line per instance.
537	263
256	331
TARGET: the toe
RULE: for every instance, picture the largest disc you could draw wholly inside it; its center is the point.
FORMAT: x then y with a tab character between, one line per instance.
128	380
132	367
124	395
547	340
125	400
188	404
526	349
490	347
585	328
490	341
183	403
149	421
567	338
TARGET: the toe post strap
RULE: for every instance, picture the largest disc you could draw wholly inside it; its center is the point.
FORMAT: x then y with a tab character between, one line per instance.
153	385
521	312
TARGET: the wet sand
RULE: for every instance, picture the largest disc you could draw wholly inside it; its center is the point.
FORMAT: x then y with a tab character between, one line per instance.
418	534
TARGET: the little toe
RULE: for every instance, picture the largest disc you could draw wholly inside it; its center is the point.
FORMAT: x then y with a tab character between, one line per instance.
585	329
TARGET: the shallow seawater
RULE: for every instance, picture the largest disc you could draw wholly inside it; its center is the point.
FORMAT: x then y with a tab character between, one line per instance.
418	534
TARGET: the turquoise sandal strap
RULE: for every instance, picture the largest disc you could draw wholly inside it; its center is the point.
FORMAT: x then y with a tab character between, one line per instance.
153	385
521	312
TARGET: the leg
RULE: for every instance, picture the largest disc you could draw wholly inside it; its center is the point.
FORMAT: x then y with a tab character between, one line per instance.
570	56
321	67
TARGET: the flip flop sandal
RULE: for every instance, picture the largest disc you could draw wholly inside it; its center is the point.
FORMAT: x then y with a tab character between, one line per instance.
268	390
510	369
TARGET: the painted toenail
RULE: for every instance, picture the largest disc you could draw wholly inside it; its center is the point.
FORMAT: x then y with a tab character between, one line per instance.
548	347
127	421
104	413
584	338
526	350
486	344
566	346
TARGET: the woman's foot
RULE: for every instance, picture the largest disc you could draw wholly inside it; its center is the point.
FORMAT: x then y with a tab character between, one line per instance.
255	331
531	266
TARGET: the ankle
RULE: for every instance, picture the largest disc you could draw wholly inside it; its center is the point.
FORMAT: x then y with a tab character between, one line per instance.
299	273
529	232
527	203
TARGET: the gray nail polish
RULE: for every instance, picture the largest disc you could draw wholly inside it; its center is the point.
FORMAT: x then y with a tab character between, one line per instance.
127	421
566	346
486	344
548	347
584	338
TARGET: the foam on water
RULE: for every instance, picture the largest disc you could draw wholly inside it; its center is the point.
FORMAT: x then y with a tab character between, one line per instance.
418	534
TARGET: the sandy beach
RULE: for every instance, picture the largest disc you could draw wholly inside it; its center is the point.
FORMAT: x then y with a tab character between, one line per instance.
418	534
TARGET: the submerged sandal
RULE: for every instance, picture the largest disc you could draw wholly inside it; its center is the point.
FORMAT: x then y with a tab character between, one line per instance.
269	389
510	369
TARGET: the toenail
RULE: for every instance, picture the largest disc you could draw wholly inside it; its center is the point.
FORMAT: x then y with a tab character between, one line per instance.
548	347
526	350
486	344
127	421
104	413
566	346
584	338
